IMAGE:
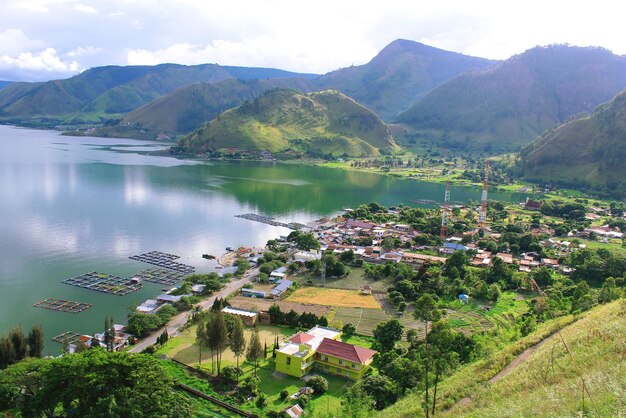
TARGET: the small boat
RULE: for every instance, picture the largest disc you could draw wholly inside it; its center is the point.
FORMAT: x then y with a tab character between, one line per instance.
230	249
208	256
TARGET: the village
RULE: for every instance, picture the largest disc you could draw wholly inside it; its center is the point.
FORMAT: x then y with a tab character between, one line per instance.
317	296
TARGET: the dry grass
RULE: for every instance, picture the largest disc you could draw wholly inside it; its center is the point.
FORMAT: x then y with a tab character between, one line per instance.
334	297
257	304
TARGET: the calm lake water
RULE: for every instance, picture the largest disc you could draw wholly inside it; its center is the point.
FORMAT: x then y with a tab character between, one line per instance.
70	205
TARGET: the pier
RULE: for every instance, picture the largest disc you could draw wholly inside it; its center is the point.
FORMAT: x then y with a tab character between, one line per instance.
106	283
270	221
164	260
61	305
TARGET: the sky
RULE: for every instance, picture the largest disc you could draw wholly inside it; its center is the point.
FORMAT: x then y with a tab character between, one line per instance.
48	39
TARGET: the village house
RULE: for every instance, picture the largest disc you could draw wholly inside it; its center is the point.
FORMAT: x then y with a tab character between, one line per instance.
321	349
248	318
532	205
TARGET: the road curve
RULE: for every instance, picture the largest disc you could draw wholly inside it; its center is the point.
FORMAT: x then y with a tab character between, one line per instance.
179	320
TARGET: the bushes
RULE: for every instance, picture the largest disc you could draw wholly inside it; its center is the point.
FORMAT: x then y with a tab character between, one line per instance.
283	394
292	318
318	383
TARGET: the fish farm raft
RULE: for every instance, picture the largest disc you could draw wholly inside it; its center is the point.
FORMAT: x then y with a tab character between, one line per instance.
160	276
61	305
164	260
106	283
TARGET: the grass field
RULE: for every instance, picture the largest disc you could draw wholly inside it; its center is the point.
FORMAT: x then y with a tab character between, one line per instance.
184	349
334	297
365	320
355	280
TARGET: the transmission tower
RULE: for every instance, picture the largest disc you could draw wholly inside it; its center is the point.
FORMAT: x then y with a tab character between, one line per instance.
482	215
443	233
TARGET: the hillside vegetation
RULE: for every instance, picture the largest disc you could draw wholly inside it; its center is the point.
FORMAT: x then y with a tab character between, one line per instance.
105	92
188	107
401	73
282	120
589	152
548	383
511	104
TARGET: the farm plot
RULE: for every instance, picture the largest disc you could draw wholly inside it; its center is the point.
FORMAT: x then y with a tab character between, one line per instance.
334	297
365	320
257	304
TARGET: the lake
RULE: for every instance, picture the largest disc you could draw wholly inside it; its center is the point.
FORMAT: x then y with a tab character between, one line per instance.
73	205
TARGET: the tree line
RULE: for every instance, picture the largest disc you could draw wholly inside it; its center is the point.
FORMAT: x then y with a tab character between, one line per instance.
16	346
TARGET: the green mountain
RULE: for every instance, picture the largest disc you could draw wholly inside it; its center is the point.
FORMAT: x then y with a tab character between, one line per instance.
4	83
106	92
403	72
286	120
509	105
585	152
187	108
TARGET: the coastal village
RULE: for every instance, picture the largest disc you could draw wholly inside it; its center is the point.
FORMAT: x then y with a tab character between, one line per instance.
293	277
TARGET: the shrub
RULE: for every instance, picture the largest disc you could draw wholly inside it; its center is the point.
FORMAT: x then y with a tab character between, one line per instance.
229	373
303	400
318	383
261	401
283	394
349	329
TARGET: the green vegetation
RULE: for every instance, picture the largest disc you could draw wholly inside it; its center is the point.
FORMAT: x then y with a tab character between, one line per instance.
15	346
285	121
567	155
511	104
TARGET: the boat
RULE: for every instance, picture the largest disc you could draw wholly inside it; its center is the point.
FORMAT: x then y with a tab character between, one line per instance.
208	256
230	249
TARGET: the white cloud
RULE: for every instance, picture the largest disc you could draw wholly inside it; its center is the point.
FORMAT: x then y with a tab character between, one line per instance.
13	41
84	8
47	60
84	51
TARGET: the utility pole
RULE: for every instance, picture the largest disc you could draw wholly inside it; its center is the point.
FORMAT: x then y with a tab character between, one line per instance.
443	233
323	273
482	215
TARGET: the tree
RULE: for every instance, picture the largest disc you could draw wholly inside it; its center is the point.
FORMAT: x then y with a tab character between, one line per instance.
217	337
307	242
609	291
237	341
201	339
443	358
348	329
382	389
20	346
255	351
427	311
35	341
387	333
318	383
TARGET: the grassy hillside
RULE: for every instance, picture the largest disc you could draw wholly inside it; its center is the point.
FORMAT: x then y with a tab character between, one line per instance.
548	382
588	152
399	75
188	107
105	92
511	104
282	120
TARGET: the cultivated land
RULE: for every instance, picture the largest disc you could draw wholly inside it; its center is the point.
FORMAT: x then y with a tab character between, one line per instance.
334	297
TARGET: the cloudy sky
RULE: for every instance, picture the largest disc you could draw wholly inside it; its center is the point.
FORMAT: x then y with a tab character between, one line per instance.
45	39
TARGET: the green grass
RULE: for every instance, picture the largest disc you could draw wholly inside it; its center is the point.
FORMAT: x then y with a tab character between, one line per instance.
365	320
355	280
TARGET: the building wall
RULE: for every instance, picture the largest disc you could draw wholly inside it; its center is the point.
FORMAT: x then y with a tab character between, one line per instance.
340	367
292	365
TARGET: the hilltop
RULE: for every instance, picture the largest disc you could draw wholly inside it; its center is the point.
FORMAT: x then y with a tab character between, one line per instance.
326	122
401	73
509	105
107	92
187	108
588	152
546	382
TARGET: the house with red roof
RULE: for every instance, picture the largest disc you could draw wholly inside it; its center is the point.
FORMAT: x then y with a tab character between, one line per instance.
319	348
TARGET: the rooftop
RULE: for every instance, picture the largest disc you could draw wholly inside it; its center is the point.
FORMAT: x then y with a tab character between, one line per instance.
349	352
236	311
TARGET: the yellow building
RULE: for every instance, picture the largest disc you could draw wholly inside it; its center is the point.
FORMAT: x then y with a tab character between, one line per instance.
320	348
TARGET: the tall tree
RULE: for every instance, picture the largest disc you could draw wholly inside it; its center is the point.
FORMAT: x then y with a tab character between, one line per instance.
426	310
35	341
255	351
201	339
7	352
237	341
20	346
218	336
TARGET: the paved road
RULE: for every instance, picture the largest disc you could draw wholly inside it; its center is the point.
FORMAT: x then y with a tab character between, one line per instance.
179	320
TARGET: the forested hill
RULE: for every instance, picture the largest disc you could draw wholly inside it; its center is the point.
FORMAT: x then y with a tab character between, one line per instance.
110	91
187	108
326	122
589	152
401	73
511	104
